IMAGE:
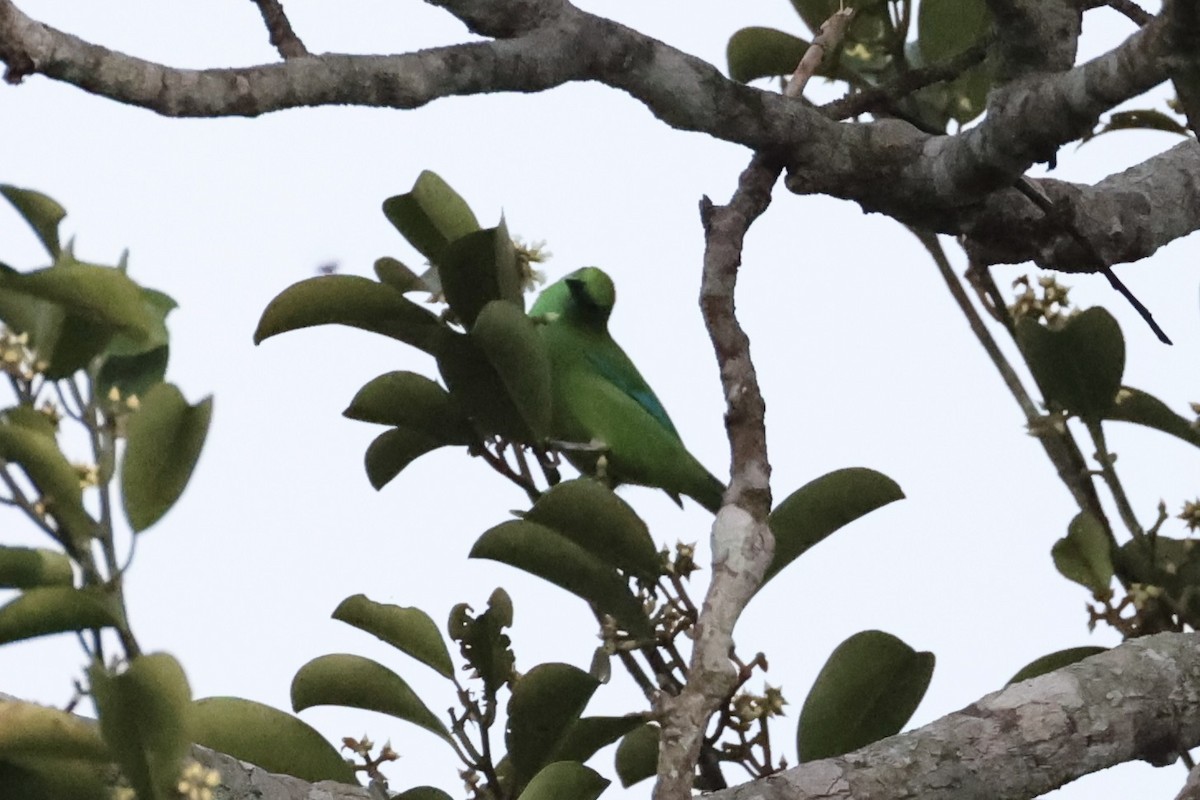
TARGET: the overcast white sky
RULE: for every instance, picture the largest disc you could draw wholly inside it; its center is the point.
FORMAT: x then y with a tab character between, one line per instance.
863	357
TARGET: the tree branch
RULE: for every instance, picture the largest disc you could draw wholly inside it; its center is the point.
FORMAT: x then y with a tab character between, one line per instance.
283	38
882	165
1137	701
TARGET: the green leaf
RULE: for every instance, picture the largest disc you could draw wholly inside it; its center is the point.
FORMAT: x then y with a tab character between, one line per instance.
870	25
409	630
422	793
398	276
757	52
269	738
867	691
49	778
1136	406
478	389
1053	661
945	28
1162	561
41	212
164	438
29	730
357	682
548	554
592	516
511	343
824	505
144	719
133	375
409	400
482	640
28	567
157	305
392	451
352	301
637	755
1084	555
430	216
52	475
565	779
589	734
546	702
27	416
1138	119
1079	367
478	269
101	295
56	609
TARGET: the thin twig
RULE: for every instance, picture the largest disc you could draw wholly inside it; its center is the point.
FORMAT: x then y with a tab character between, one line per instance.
1036	196
283	37
1130	9
877	98
1108	471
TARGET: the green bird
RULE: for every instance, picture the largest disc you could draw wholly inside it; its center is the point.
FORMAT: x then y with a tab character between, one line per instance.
610	421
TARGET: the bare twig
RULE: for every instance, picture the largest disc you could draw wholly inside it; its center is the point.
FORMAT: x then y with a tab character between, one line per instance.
283	37
1130	9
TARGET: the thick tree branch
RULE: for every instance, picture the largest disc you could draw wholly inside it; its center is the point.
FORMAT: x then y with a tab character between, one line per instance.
1137	701
936	183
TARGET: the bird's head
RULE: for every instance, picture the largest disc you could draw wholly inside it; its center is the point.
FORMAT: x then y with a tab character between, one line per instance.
592	293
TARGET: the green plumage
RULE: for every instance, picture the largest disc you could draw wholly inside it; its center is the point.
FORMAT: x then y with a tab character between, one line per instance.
601	401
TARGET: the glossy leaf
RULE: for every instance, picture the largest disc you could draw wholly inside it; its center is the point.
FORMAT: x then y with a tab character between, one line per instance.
30	730
824	505
945	28
269	738
392	451
422	793
28	567
1139	119
156	305
546	702
26	416
144	719
409	400
482	641
164	438
544	552
48	778
637	755
41	212
48	754
357	682
480	268
55	609
511	343
1173	564
1079	367
53	476
867	690
352	301
757	52
133	375
1054	661
479	390
102	295
431	215
592	516
409	630
589	734
1141	408
1084	555
398	276
564	779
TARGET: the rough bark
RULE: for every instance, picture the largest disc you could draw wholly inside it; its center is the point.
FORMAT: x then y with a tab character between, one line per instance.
950	184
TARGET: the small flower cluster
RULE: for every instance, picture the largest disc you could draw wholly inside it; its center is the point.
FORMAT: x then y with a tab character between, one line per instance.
16	358
527	256
1050	305
1191	514
198	782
